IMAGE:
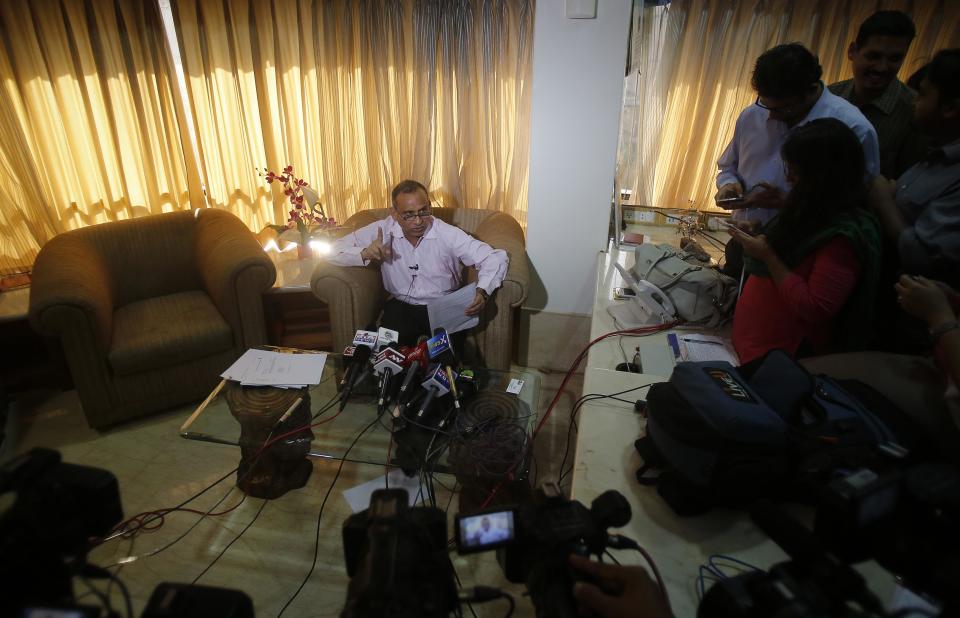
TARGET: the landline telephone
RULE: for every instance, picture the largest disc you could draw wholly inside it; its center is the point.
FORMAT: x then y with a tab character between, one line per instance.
649	307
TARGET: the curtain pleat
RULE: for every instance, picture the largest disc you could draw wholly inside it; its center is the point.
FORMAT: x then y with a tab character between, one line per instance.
690	78
90	132
358	96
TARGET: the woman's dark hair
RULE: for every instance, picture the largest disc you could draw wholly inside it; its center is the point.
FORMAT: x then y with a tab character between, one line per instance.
827	159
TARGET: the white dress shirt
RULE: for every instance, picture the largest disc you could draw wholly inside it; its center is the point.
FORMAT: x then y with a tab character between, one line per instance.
433	268
753	155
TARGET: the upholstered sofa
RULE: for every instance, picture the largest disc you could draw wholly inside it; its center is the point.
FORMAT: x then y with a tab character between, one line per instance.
355	295
151	310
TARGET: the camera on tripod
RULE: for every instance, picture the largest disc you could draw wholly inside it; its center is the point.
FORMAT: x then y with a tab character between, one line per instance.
399	565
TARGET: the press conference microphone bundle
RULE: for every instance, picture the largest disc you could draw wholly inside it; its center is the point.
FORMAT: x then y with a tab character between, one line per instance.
416	359
388	363
437	385
364	341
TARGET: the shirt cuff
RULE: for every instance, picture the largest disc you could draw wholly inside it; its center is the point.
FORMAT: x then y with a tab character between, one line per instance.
350	256
726	178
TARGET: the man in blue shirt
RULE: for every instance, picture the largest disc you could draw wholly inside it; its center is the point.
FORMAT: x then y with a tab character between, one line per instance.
786	78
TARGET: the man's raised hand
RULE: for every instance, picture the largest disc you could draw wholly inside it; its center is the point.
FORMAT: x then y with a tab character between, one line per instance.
377	250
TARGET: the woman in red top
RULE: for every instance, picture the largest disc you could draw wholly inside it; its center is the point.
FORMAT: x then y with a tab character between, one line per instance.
814	266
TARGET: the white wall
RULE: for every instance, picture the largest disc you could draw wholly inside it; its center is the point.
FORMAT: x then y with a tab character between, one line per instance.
578	68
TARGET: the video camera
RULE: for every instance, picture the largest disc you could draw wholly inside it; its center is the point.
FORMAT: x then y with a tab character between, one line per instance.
399	566
45	535
908	521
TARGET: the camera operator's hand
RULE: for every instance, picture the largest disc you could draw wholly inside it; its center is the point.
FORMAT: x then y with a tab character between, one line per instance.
621	591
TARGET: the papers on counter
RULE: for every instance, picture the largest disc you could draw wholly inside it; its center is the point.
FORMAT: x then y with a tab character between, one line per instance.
279	369
697	347
447	311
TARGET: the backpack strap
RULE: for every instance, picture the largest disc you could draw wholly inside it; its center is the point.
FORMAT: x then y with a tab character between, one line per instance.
652	459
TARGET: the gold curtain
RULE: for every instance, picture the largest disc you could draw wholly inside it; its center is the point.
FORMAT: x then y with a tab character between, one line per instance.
690	78
88	126
358	96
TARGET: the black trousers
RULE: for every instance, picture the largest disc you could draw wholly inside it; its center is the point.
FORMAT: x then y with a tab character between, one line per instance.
412	321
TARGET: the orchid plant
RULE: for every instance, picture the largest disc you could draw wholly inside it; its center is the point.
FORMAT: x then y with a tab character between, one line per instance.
308	219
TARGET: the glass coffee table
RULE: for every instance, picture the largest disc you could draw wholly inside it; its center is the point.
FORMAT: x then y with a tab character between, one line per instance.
483	437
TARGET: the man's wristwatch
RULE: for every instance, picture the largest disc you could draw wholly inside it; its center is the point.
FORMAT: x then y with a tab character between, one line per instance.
938	331
483	293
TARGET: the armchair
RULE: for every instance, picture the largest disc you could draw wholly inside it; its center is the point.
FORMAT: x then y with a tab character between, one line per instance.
151	310
355	295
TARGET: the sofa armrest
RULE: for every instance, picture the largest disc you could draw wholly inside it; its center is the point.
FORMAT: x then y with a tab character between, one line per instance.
353	294
501	231
235	272
72	288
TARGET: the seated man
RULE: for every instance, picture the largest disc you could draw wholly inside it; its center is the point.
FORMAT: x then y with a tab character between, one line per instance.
876	57
421	258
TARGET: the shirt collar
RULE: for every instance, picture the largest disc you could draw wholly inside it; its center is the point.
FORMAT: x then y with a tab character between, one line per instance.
886	101
845	90
814	111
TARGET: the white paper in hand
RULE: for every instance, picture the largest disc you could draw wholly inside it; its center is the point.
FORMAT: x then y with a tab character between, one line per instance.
448	311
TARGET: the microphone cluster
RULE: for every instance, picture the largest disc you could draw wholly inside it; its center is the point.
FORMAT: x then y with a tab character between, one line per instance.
431	363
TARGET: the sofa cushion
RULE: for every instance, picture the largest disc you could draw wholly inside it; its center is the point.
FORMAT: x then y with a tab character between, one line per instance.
166	330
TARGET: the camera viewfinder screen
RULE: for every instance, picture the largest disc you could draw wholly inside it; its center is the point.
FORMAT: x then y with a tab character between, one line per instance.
479	532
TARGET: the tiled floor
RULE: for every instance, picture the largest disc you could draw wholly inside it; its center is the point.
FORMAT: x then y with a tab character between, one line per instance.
157	469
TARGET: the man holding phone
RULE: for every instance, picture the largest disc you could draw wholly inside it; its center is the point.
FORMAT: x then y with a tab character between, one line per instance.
751	179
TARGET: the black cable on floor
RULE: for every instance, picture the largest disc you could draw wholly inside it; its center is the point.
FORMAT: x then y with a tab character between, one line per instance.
316	544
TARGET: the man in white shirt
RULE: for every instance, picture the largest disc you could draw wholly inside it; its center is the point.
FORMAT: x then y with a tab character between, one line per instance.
751	180
789	94
421	258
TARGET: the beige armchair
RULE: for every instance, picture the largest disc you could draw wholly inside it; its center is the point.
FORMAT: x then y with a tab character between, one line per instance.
151	310
355	295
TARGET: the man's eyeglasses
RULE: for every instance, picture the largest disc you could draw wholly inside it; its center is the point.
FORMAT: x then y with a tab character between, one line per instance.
423	213
782	109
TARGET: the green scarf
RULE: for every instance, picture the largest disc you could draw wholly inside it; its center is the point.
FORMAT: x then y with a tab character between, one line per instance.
861	228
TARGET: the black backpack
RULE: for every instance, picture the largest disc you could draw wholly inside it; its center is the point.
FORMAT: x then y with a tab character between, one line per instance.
726	436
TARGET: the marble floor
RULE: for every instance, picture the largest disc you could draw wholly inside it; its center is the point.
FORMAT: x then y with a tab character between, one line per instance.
156	469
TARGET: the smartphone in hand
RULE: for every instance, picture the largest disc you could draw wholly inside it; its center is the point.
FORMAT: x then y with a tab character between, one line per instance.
734	228
731	200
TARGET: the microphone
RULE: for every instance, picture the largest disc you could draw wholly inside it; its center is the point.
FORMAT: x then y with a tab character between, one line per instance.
416	267
415	360
437	385
387	364
348	353
441	350
385	337
363	341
